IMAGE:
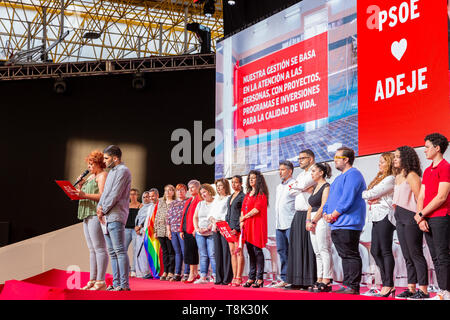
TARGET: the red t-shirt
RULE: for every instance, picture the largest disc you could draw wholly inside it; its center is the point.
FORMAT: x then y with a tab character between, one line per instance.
431	179
190	214
255	228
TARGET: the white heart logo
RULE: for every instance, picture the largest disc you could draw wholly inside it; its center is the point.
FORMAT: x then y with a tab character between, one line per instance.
398	48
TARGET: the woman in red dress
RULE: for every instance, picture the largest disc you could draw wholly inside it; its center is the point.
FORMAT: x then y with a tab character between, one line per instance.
254	226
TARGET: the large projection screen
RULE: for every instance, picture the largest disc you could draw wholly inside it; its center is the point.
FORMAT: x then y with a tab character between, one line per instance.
323	74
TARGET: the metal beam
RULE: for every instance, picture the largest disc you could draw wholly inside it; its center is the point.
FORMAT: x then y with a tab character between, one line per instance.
107	67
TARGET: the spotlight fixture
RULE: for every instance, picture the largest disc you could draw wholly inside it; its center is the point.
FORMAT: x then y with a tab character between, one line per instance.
92	35
209	8
138	81
231	2
60	86
203	35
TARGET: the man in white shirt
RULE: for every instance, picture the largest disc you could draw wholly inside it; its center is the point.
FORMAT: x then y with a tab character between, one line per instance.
301	267
284	213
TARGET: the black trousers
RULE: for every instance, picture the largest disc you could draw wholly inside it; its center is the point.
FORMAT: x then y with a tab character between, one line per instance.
168	254
256	262
347	246
381	250
439	245
224	271
411	242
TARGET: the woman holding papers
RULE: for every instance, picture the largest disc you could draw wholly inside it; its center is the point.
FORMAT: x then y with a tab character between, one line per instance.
234	207
90	191
224	273
254	226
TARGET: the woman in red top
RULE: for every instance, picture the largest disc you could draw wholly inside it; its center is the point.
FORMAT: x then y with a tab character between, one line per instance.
254	226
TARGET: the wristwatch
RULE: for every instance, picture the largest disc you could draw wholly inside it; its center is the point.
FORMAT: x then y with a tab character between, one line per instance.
420	214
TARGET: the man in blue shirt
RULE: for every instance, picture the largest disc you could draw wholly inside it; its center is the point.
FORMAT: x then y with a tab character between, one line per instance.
345	210
112	211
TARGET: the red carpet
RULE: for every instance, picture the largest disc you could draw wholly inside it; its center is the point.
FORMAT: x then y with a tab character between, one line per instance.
53	285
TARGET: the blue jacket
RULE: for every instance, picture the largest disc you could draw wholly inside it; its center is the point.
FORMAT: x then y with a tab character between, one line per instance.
345	197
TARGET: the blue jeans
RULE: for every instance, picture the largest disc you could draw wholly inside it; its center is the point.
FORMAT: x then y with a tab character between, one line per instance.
130	237
115	241
178	246
282	237
206	250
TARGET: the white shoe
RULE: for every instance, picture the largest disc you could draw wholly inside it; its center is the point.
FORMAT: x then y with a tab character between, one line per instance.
371	292
441	295
200	281
132	274
279	285
212	278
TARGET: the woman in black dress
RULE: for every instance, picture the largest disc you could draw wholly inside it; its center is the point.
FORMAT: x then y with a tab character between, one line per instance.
234	207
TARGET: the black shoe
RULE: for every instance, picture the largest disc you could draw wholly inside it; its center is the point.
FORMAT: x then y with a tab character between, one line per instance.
419	295
292	287
248	284
322	287
314	287
148	276
346	290
110	288
405	294
258	284
391	292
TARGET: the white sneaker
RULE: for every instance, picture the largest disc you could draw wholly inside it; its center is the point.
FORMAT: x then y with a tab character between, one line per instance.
132	274
441	295
279	285
200	281
372	292
212	278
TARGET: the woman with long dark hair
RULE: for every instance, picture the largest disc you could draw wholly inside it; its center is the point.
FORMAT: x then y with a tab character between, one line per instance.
320	232
254	226
406	192
379	196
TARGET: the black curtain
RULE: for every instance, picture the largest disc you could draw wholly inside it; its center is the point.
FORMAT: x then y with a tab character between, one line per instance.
37	124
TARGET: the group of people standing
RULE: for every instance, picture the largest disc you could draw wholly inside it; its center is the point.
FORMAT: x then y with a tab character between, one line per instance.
310	215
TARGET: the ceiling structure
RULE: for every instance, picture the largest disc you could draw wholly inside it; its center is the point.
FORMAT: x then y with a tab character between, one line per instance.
102	30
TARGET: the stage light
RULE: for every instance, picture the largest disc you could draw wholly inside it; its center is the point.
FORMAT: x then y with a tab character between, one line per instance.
203	35
60	86
209	8
92	35
138	81
231	2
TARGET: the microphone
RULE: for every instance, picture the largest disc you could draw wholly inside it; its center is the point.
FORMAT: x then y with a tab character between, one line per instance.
84	174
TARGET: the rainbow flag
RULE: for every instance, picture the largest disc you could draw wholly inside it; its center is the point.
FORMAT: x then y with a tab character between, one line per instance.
152	246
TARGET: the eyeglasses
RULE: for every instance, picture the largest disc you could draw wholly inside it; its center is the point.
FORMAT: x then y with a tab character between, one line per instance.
340	157
303	158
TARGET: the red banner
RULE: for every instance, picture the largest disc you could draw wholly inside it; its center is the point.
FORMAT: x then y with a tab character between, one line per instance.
403	90
286	88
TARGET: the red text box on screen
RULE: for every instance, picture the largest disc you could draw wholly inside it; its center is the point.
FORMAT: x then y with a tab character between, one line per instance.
286	88
403	83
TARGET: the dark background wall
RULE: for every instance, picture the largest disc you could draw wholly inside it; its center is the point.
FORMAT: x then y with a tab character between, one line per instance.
37	123
247	12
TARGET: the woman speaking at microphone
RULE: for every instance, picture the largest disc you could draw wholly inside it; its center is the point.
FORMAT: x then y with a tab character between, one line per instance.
90	191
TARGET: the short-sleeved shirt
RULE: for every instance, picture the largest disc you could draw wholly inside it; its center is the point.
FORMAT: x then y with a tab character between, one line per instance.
431	179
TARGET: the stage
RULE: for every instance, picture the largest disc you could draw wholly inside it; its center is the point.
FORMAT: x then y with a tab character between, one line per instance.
55	285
